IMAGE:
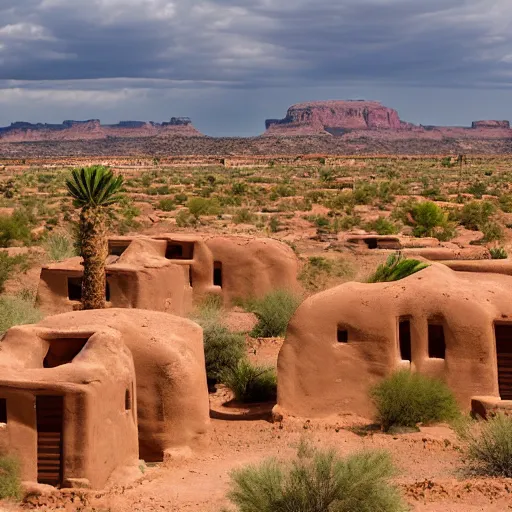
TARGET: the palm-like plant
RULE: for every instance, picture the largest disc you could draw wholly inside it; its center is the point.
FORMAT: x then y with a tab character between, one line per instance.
396	267
93	190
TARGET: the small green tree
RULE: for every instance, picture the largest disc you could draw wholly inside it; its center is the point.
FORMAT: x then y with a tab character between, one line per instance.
427	218
93	190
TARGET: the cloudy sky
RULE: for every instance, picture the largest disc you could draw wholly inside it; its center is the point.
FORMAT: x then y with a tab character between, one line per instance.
229	64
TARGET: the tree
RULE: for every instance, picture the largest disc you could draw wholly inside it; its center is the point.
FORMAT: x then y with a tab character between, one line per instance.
93	189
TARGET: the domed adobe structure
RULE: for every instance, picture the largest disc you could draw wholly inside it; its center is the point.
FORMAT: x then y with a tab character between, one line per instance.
455	326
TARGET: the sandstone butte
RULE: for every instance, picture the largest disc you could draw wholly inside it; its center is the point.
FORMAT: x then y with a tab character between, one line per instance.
360	118
93	129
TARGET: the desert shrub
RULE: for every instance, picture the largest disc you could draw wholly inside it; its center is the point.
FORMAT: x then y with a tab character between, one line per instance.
10	264
405	399
498	253
476	213
447	162
239	188
251	383
166	205
429	220
10	478
505	202
318	481
382	226
489	446
395	268
492	231
14	228
342	201
181	198
16	310
317	271
199	206
243	216
273	224
59	246
223	349
184	219
282	191
478	189
365	193
274	312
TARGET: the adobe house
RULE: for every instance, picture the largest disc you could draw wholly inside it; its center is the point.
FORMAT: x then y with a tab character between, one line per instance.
78	388
140	277
229	266
455	326
68	405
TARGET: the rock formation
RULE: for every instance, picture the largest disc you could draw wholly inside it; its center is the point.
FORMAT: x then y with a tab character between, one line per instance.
93	129
360	118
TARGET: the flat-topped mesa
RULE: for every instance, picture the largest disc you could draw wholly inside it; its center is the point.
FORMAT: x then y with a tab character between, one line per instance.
491	124
93	129
336	117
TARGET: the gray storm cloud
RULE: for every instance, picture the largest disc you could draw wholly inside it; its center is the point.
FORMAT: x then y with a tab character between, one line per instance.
189	51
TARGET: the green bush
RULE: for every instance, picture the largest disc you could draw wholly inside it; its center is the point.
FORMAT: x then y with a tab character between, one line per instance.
395	268
59	246
382	226
9	264
199	206
166	205
492	232
251	383
489	446
498	253
10	478
274	312
17	311
185	220
476	213
243	216
405	399
14	228
223	349
318	481
429	220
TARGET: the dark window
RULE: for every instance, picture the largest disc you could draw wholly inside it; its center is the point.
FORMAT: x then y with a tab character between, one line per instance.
107	292
342	335
180	251
3	410
63	351
75	288
404	339
217	273
371	243
436	343
190	275
116	248
127	400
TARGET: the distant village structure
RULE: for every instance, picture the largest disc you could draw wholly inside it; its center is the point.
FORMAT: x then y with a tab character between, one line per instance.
170	271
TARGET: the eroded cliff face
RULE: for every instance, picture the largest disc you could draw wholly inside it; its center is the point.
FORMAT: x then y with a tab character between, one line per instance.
93	129
336	117
360	118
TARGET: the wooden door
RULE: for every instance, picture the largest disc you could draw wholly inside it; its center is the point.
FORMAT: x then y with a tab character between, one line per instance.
504	356
49	413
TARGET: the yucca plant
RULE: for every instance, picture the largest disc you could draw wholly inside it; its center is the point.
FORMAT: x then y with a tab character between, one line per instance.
396	267
93	189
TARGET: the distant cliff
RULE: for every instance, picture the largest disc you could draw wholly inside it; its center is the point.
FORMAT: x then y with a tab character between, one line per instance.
93	129
359	118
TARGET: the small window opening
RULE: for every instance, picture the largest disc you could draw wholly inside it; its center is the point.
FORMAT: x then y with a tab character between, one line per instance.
190	275
342	335
179	250
63	351
75	288
217	273
436	342
3	410
116	248
371	243
404	339
107	291
127	400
